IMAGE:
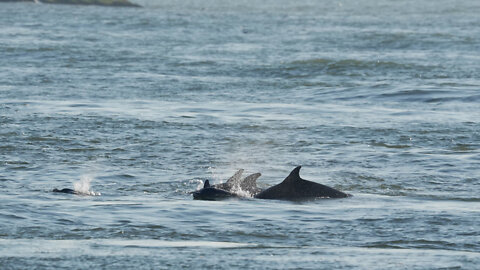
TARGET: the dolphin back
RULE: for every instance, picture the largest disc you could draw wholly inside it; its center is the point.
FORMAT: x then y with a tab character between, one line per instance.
294	187
212	194
65	190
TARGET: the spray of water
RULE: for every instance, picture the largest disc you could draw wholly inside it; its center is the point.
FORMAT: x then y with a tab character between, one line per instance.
83	186
198	182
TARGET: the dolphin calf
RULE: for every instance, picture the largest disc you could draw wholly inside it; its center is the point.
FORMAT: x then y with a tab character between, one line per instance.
210	193
295	188
235	186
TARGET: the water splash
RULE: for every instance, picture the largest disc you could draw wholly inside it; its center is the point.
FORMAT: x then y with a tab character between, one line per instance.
83	186
198	182
237	189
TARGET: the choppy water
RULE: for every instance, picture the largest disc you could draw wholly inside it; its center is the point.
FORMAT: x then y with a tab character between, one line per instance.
379	99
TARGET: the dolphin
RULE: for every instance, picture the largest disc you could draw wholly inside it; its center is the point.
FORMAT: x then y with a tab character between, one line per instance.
65	190
249	184
232	188
236	184
210	193
71	191
295	188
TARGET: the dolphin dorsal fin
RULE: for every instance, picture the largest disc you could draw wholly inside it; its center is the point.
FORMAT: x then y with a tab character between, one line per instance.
293	176
235	178
251	180
206	184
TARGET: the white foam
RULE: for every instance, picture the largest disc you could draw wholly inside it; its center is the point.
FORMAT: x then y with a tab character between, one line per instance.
240	192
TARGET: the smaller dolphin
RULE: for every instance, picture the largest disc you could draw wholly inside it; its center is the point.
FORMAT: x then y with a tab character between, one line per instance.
295	188
231	182
210	193
235	186
65	190
249	184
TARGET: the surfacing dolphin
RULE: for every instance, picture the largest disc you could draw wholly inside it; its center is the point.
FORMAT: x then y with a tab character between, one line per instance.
233	187
72	191
65	190
210	193
295	188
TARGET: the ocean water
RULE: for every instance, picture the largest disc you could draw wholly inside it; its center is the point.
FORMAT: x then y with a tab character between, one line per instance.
138	106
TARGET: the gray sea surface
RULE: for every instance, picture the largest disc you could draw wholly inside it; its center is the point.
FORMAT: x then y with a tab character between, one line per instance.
138	106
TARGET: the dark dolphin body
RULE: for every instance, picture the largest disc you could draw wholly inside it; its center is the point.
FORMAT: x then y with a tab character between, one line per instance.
230	188
210	193
295	188
65	190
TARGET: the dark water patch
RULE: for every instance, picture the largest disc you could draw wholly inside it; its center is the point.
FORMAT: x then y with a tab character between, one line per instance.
82	150
376	185
465	148
8	134
16	162
64	221
345	67
382	144
463	99
125	176
448	197
408	244
96	229
14	165
11	216
116	177
84	105
201	63
430	94
48	138
413	95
